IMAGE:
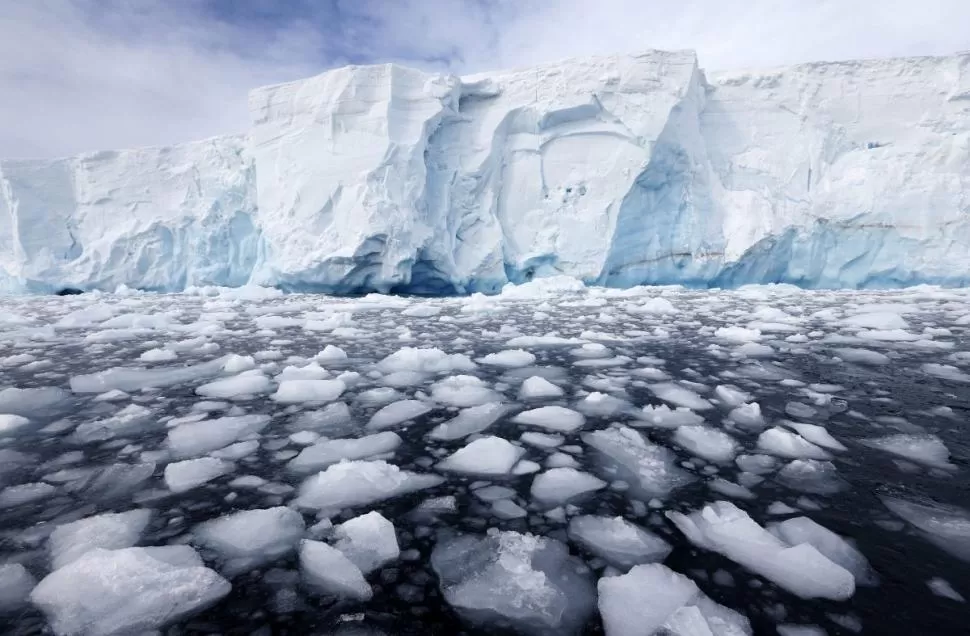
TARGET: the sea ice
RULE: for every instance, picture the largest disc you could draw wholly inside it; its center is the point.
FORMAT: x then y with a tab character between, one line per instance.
484	456
327	452
621	543
369	541
707	443
111	531
552	418
251	538
397	413
327	569
472	420
557	486
357	483
191	473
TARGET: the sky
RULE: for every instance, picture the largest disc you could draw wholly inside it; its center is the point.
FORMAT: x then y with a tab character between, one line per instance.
83	75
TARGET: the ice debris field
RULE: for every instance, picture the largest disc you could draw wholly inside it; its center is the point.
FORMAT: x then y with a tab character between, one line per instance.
555	459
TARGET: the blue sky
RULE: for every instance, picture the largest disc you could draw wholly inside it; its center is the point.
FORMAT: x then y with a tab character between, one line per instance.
78	75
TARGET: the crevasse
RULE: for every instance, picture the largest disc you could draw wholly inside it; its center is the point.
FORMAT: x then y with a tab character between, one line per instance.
619	170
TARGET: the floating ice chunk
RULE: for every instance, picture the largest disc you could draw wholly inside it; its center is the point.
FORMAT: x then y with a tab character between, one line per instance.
811	476
939	586
331	354
730	396
13	496
707	443
537	388
137	379
748	416
836	549
158	355
192	473
946	372
331	451
129	591
557	486
129	420
592	350
425	361
817	435
883	320
508	509
356	483
421	311
547	341
398	412
9	423
862	356
801	569
783	443
368	541
797	409
506	579
113	395
602	405
730	489
33	401
197	438
312	371
553	418
252	538
298	391
651	468
469	421
679	396
110	531
484	456
237	451
737	334
326	569
509	359
542	440
921	448
652	599
789	629
947	527
378	397
663	417
621	543
332	417
463	391
16	584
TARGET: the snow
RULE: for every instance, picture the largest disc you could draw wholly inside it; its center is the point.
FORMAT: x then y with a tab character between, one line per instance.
528	582
327	569
485	456
631	169
368	541
358	483
552	418
249	539
621	543
558	486
109	530
652	599
799	567
192	473
128	591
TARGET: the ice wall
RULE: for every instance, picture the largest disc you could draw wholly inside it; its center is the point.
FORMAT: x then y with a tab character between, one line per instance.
617	170
153	218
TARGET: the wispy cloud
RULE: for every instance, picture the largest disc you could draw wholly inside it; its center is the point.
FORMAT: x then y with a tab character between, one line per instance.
86	74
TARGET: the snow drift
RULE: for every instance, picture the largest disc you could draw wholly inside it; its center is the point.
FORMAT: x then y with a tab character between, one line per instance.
617	170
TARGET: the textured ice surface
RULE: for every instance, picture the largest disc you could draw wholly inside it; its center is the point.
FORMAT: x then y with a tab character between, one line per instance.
472	420
621	543
191	473
110	531
508	578
619	170
328	570
355	483
653	599
16	584
197	438
129	591
557	486
652	468
248	539
485	456
368	541
798	567
552	418
707	443
327	452
946	526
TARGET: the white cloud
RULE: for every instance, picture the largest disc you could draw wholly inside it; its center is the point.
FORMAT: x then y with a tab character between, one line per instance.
85	74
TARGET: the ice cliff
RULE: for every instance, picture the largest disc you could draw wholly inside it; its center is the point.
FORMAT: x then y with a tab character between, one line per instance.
616	170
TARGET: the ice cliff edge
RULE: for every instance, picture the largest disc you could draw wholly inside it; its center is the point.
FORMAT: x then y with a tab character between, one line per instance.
616	170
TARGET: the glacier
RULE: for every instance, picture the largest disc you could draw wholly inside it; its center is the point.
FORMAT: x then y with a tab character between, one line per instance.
616	170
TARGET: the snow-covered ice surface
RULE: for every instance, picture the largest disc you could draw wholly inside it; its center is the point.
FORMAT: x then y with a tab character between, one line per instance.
778	459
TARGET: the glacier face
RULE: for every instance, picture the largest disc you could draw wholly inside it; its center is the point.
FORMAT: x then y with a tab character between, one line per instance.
616	170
